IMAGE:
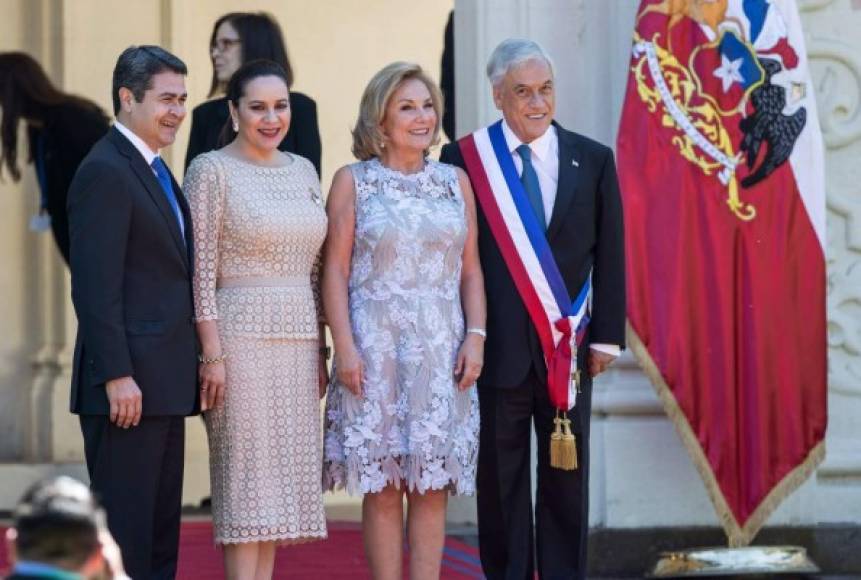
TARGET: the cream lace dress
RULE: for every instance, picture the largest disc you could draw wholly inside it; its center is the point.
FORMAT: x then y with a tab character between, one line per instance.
257	234
412	426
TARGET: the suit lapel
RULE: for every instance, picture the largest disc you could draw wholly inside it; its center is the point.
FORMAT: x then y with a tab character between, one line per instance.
153	188
566	187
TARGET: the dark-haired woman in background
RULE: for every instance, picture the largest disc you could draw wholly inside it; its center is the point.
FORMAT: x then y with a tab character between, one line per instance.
259	224
61	129
237	38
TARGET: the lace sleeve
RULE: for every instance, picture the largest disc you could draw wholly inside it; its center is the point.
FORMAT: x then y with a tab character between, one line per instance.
204	188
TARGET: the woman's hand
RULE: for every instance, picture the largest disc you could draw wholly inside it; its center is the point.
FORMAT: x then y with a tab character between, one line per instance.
470	359
323	375
212	379
350	369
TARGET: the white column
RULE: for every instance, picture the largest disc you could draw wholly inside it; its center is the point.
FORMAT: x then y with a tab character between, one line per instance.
48	290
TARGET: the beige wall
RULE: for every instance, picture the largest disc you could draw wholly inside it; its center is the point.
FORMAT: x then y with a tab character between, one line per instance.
20	331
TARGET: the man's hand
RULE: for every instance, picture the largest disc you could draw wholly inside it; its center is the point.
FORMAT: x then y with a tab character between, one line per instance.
598	362
126	402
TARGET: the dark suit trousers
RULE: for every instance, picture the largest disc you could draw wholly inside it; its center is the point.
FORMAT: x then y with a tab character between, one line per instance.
508	540
137	474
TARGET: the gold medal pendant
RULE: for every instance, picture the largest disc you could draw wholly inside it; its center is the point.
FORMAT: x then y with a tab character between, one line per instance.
563	444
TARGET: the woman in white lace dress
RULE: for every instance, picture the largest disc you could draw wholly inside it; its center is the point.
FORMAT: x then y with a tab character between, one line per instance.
401	274
259	226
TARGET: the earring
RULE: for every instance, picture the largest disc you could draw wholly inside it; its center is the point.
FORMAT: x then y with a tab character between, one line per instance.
235	126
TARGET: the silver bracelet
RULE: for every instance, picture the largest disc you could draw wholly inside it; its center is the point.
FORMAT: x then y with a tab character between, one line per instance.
479	331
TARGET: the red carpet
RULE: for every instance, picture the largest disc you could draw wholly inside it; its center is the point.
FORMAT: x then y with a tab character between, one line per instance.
340	556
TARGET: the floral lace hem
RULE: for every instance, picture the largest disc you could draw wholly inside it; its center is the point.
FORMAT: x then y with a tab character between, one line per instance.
396	470
283	539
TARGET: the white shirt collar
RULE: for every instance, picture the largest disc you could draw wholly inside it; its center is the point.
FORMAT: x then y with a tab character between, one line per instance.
540	147
147	153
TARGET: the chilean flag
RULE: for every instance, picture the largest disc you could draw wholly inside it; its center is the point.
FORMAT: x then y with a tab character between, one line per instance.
722	172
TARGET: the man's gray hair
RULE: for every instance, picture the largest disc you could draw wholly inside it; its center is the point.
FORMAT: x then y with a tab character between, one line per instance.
511	53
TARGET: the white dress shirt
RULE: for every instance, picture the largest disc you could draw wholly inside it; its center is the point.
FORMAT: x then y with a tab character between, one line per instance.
545	160
149	155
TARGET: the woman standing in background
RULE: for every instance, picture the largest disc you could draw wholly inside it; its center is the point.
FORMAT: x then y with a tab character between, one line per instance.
237	38
61	130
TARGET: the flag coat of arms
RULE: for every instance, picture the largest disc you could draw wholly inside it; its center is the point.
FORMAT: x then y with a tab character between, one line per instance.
722	174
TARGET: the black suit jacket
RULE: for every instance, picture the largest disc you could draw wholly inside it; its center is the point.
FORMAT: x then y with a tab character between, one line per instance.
69	132
585	233
131	284
303	138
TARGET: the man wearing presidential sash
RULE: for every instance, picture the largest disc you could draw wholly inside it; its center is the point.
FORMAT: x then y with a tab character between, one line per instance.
551	247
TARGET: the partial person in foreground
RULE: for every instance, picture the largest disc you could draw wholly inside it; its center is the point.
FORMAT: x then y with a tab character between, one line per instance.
61	130
550	236
59	532
134	377
404	299
260	224
237	38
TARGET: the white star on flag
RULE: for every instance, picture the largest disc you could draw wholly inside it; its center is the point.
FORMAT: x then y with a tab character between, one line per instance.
729	72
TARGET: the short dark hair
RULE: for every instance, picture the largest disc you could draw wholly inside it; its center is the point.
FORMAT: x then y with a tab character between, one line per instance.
260	38
58	522
137	65
249	71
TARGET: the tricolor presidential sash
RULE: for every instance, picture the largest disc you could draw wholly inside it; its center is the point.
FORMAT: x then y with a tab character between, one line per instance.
560	322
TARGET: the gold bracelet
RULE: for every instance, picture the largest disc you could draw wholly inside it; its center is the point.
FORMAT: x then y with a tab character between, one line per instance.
211	361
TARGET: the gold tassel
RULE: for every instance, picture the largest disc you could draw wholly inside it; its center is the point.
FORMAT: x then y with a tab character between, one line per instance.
563	445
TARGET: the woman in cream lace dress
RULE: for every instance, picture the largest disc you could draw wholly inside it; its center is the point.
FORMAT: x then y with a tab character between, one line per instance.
259	226
401	275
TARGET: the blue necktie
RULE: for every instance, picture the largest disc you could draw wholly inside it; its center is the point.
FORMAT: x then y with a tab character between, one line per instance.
167	186
529	179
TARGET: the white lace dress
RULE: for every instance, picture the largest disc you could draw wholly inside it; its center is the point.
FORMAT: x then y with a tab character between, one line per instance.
412	426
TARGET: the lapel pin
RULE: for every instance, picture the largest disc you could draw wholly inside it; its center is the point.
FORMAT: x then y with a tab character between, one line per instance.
574	163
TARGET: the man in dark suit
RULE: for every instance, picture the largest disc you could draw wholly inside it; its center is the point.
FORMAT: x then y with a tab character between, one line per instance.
572	188
58	531
135	365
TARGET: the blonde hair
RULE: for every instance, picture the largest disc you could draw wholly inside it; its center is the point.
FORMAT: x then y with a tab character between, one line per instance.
367	135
